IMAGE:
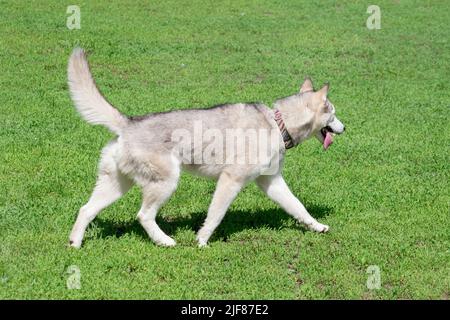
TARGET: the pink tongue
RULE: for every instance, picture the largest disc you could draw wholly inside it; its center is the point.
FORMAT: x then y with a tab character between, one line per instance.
327	141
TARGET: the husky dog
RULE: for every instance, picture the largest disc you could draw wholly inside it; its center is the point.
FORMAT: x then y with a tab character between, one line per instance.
151	150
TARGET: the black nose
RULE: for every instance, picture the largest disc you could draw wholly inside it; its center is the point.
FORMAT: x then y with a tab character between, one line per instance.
344	129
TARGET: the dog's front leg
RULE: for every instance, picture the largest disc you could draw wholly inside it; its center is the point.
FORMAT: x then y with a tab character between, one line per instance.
226	190
276	189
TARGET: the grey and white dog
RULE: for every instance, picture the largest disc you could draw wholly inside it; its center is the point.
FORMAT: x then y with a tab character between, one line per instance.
233	143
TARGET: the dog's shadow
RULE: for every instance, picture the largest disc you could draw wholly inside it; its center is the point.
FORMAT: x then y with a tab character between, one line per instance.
234	222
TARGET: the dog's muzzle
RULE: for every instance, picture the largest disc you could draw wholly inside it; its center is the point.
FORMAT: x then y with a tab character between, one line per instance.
335	127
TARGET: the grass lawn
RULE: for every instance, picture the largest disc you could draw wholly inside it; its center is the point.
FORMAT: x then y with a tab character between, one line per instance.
383	186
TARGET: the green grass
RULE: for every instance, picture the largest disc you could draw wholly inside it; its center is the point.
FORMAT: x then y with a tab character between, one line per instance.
383	186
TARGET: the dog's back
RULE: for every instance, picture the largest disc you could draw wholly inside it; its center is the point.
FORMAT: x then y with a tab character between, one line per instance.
201	139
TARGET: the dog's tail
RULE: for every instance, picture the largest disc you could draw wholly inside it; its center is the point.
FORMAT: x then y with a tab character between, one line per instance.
88	100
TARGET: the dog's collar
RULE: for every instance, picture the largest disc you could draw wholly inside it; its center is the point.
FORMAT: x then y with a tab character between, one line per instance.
288	142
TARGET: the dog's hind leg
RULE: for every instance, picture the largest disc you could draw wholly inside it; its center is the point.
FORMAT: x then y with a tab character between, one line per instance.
111	185
226	190
276	189
155	194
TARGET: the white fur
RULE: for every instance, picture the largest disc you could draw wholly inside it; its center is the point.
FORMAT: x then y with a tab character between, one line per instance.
276	189
88	100
111	185
336	125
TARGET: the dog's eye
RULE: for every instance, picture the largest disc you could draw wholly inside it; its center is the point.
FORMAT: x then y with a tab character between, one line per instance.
328	106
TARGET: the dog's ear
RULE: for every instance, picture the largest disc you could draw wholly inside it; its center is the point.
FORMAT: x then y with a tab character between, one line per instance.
324	91
306	85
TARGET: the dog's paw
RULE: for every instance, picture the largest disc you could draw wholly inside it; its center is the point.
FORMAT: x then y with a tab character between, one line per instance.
318	227
202	242
166	242
75	244
203	237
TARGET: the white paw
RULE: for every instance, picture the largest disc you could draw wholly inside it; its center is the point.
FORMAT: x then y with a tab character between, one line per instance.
202	243
203	237
166	242
318	227
75	243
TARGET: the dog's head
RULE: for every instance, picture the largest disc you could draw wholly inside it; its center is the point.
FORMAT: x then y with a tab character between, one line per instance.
324	123
310	113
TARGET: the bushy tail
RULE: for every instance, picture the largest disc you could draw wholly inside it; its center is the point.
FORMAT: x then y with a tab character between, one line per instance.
88	100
